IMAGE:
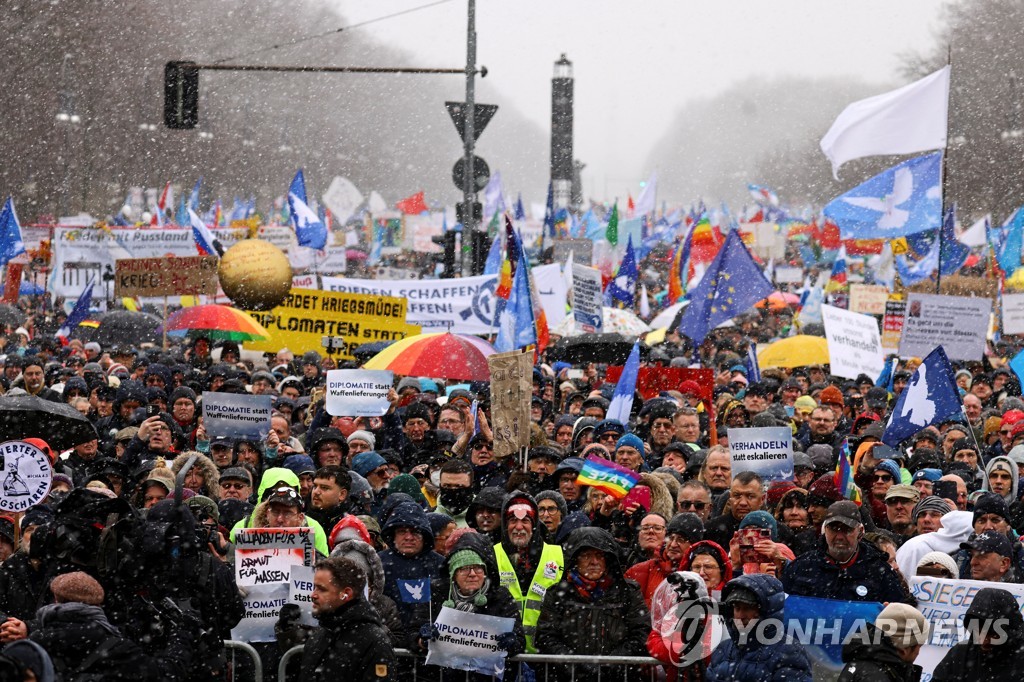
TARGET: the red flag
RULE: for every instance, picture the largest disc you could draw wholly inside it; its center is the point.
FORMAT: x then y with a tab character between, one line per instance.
630	206
413	205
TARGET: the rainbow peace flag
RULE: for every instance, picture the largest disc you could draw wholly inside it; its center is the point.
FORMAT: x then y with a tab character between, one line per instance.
844	475
607	476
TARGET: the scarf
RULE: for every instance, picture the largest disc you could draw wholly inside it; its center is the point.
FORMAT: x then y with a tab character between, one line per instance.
469	602
590	590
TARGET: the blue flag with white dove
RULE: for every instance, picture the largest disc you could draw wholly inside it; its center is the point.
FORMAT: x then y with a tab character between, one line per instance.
625	389
1009	242
309	229
79	313
493	264
952	254
732	284
623	287
11	243
930	397
414	591
516	327
752	365
902	200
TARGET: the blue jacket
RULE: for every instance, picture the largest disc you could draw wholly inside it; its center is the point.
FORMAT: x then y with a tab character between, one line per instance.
753	662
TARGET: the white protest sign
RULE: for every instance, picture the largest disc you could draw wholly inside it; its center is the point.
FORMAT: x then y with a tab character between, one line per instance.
958	323
1013	313
854	343
788	274
943	603
552	290
767	451
240	417
300	591
26	474
587	298
343	198
263	562
358	392
467	642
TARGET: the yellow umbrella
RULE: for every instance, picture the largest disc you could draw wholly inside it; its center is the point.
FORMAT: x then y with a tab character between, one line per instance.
794	351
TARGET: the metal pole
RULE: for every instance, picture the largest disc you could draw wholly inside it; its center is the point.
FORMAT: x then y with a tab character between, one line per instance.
469	140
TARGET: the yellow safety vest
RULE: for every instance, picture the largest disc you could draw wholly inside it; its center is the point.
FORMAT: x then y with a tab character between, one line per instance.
549	573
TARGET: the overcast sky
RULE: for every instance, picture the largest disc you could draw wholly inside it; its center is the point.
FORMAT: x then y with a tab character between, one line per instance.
636	63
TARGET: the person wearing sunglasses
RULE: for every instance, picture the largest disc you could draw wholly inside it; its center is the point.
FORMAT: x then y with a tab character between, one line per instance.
695	497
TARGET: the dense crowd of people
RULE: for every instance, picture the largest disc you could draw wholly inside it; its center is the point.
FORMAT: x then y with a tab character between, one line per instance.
124	572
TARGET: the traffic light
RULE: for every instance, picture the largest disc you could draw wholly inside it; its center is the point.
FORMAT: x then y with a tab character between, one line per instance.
460	213
181	95
447	242
480	250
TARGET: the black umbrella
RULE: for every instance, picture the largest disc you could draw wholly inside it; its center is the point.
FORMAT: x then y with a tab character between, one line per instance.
59	424
127	327
611	349
365	351
11	316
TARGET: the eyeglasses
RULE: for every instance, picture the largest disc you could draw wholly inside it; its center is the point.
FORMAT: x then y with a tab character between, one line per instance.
547	510
232	485
450	421
675	539
609	437
661	427
651	529
484	446
470	569
883	477
686	504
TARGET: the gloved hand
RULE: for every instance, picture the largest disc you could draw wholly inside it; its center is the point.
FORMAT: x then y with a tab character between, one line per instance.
429	632
506	641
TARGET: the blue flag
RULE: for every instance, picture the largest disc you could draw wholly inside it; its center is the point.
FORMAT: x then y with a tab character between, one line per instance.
414	591
753	368
520	213
930	396
79	313
309	229
953	254
549	213
902	200
1009	250
193	199
623	287
516	327
888	374
493	264
11	244
622	398
1017	365
732	284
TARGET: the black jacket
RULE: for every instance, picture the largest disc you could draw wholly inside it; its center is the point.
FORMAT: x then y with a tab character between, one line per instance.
875	660
351	644
21	586
966	661
869	578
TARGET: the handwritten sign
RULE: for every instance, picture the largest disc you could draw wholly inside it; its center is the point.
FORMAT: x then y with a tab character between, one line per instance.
182	276
511	390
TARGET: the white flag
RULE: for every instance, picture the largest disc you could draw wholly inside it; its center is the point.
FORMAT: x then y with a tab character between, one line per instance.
903	121
976	234
376	204
645	305
645	202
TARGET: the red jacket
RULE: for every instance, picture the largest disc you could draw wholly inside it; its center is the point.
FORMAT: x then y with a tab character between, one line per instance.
651	573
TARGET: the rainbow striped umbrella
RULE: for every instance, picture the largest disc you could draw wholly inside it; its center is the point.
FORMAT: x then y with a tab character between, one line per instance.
215	322
438	355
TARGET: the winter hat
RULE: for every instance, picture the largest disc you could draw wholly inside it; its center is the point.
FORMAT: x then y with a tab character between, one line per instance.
686	524
831	395
77	587
904	625
630	440
1016	454
776	491
555	496
63	478
408	382
365	462
822	456
745	595
32	656
418	411
890	467
364	436
461	559
930	503
823	491
182	392
940	558
407	483
438	522
805	403
350	528
299	464
761	519
990	503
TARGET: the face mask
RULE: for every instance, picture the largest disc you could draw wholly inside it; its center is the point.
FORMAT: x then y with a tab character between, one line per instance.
456	500
435	478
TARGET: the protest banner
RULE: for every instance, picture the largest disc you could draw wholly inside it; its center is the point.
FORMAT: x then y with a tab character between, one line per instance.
342	198
182	276
358	392
854	344
587	299
826	623
306	316
1013	313
767	451
300	591
943	603
304	282
467	642
460	306
892	326
582	251
552	290
281	236
263	561
511	391
238	417
957	323
868	298
651	381
788	274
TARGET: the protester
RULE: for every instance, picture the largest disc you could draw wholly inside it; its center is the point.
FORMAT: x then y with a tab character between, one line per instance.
887	648
985	656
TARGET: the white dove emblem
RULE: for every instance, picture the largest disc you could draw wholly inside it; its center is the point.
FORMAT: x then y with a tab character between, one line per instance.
917	408
622	282
304	215
893	217
415	590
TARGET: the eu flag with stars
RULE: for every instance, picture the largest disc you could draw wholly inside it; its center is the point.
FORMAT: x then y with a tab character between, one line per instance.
733	283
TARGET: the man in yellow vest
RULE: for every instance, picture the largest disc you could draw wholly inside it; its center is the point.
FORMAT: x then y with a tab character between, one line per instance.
528	566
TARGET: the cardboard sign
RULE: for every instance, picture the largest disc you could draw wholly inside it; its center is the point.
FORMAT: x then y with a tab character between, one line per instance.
854	344
587	299
190	276
263	562
511	391
235	416
467	642
306	316
892	326
868	298
958	323
25	477
358	392
651	381
1013	313
767	451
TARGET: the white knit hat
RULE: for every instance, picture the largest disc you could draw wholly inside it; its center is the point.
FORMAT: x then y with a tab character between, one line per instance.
942	559
364	436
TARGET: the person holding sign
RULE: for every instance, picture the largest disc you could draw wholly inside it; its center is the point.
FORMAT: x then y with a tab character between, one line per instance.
351	643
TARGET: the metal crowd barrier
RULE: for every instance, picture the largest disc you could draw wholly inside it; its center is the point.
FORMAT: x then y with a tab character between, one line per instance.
245	647
534	660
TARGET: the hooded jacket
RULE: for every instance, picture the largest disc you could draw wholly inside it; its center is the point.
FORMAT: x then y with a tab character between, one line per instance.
1007	462
723	560
490	497
272	478
968	662
957	526
211	475
875	660
613	623
362	553
746	658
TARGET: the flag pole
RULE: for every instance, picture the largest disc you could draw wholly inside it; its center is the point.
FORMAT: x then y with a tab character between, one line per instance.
945	153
